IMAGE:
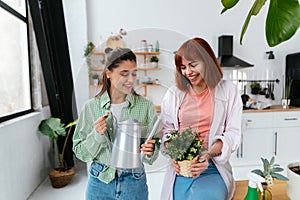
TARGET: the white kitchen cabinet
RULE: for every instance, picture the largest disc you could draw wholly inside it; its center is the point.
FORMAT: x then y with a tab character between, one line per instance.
287	128
267	134
258	140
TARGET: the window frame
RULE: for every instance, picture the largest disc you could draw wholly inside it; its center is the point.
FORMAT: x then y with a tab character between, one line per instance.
24	19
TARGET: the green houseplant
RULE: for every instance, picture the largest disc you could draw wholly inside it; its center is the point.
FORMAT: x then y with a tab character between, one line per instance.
88	52
255	87
185	147
270	172
282	22
53	128
154	61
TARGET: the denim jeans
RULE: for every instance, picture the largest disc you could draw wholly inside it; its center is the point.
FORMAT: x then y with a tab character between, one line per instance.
128	185
209	185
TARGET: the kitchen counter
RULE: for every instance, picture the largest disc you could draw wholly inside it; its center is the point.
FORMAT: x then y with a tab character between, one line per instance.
274	108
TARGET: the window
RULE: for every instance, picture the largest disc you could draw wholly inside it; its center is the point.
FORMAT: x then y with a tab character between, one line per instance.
15	89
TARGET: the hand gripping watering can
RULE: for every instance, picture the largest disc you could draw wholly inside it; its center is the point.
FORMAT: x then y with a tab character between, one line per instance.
126	147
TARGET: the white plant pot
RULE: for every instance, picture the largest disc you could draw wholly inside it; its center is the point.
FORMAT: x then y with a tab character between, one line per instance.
154	64
293	182
285	103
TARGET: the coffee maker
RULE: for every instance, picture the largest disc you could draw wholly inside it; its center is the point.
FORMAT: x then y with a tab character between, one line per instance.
292	72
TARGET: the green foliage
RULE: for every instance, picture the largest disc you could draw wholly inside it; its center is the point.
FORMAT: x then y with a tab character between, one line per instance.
154	59
288	88
270	171
183	146
255	85
53	128
88	49
282	22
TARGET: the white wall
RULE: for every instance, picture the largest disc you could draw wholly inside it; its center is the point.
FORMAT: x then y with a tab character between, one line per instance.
24	154
166	20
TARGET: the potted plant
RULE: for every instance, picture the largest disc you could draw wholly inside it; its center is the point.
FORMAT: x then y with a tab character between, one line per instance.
154	61
88	52
255	87
52	127
293	173
285	102
185	147
95	78
269	173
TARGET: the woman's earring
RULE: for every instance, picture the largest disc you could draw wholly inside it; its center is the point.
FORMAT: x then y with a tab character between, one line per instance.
107	77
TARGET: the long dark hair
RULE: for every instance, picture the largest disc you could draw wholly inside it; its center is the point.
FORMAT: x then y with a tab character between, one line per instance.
197	49
113	59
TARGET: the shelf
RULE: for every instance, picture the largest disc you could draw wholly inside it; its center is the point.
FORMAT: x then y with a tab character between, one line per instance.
140	69
136	53
146	53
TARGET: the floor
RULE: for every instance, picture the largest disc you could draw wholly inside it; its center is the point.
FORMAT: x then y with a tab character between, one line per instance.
74	190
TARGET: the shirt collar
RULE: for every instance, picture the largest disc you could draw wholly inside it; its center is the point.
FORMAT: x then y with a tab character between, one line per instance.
105	100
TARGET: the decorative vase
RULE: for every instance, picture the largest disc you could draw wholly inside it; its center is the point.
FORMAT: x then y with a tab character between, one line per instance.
185	166
255	90
266	194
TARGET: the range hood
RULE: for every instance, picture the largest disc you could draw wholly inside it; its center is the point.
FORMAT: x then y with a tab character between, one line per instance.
225	49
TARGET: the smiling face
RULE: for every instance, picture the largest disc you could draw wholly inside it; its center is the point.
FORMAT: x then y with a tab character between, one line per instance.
122	78
193	71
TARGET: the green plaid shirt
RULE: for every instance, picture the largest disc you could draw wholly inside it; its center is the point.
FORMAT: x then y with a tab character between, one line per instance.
88	145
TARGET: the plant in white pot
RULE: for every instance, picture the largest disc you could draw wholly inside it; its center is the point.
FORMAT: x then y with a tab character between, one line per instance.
293	173
286	100
154	61
53	128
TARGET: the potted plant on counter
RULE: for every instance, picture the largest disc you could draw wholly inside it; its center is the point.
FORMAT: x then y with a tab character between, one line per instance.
53	128
154	61
285	102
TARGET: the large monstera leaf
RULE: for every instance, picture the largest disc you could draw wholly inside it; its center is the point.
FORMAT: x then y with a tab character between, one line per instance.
283	19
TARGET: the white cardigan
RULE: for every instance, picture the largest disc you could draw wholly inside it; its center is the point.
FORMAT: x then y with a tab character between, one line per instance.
226	126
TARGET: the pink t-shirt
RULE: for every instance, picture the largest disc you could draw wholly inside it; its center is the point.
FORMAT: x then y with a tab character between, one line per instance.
196	111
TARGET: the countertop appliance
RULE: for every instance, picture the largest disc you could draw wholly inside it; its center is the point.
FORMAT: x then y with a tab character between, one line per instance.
225	53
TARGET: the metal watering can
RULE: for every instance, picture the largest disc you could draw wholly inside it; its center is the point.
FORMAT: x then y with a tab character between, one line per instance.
126	146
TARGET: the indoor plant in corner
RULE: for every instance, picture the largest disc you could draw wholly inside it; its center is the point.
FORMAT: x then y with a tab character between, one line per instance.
53	128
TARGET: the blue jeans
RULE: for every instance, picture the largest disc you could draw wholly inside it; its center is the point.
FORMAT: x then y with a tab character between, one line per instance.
127	185
209	185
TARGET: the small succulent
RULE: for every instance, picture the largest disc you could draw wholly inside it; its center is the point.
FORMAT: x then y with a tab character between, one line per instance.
270	171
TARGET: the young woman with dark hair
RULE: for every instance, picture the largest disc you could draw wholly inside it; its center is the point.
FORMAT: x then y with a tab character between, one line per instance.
117	101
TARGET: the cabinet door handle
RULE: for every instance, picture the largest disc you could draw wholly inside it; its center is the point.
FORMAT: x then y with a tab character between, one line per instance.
290	119
275	145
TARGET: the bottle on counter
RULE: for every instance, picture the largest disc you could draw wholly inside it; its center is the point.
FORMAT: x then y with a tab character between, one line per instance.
144	46
157	46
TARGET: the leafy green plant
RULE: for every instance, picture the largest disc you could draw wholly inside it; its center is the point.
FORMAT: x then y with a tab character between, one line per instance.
88	49
288	88
154	59
53	128
183	146
282	22
94	76
255	85
270	171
